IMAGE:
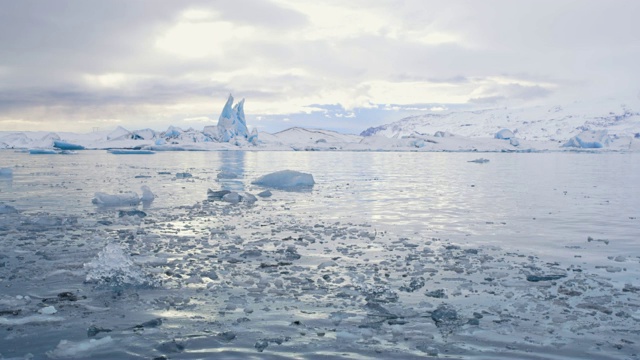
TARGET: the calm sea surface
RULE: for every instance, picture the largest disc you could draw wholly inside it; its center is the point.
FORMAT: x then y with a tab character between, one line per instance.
539	201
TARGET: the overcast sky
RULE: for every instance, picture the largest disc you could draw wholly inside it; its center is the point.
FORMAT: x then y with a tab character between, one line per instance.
76	65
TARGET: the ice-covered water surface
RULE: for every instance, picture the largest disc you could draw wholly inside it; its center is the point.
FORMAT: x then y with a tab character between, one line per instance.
390	254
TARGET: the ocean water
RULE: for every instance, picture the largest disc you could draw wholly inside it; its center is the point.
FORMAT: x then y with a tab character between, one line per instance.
361	265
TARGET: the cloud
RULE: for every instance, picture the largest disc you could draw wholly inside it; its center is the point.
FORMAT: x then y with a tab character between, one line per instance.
151	62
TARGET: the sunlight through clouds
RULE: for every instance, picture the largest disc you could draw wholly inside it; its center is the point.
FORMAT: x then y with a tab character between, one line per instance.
201	34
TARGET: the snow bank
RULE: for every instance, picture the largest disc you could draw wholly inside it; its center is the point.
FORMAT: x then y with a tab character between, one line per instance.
590	139
285	179
125	199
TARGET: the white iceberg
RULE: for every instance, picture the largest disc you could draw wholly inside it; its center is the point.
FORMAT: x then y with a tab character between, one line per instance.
114	268
231	124
147	196
504	134
232	197
125	199
285	179
64	145
590	139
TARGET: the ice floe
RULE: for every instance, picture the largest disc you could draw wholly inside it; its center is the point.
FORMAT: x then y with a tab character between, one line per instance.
285	179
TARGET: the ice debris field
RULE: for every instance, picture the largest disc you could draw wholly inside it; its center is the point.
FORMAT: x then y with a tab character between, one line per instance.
237	275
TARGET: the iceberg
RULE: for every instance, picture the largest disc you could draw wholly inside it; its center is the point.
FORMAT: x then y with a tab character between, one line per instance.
114	268
147	196
285	179
63	145
125	199
253	137
590	139
42	152
504	134
231	123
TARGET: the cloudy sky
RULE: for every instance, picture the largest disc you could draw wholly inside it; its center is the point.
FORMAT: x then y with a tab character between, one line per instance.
72	65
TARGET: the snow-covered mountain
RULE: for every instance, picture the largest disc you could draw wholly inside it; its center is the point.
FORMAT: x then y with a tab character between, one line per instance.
557	123
576	125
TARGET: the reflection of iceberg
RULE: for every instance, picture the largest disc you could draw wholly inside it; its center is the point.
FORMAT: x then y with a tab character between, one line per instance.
286	179
232	164
131	152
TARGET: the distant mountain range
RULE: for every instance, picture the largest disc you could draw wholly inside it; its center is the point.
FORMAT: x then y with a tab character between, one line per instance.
557	123
577	125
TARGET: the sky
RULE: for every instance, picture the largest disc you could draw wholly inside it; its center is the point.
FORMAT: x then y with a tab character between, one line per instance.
82	66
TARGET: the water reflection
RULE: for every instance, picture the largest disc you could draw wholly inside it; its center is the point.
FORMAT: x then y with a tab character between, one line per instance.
231	163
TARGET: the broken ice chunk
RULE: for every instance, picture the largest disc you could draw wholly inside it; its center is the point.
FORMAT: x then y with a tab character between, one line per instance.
285	179
125	199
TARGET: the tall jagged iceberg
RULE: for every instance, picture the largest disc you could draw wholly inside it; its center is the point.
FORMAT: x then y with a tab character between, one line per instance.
231	124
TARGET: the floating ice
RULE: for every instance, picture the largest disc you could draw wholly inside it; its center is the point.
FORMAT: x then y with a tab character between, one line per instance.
504	134
183	175
265	194
81	349
7	209
147	196
113	268
63	145
232	197
590	139
6	172
217	195
479	161
131	152
42	152
125	199
285	179
31	319
48	310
